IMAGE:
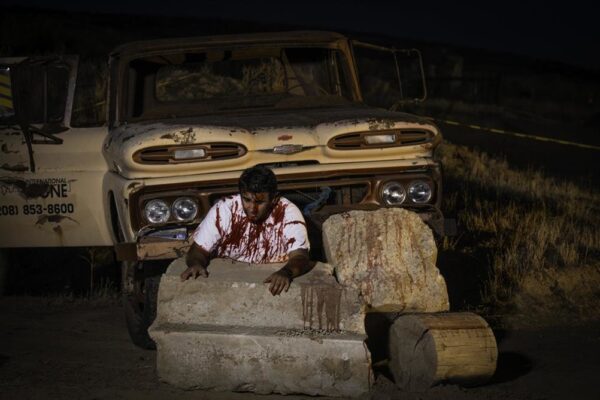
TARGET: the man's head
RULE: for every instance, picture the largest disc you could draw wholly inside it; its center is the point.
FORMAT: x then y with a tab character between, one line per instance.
258	189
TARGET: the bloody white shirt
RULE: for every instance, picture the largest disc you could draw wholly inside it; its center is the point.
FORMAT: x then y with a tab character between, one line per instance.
226	232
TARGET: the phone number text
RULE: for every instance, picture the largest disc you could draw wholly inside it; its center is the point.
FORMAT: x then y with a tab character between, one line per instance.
36	209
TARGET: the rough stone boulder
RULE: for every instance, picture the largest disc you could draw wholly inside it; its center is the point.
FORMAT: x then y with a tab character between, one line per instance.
263	360
389	255
228	333
234	294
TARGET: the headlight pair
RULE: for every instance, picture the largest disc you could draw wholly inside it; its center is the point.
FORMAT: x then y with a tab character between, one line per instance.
394	193
184	209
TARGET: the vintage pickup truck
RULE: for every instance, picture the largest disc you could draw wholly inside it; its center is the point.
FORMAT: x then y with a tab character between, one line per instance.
184	118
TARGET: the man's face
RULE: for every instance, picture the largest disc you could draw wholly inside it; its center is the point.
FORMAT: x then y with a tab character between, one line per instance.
257	206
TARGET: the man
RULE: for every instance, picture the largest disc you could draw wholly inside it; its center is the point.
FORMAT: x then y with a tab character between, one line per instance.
255	226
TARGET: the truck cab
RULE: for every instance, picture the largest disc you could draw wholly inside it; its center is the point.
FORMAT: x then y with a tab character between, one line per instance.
186	116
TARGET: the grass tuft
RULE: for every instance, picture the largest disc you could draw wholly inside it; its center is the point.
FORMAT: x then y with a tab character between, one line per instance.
530	236
103	294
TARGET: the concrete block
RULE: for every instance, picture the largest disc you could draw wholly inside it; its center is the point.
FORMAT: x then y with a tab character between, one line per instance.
234	294
263	360
389	255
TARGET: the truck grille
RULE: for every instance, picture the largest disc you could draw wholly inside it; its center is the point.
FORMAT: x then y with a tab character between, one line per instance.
338	194
166	154
407	137
314	193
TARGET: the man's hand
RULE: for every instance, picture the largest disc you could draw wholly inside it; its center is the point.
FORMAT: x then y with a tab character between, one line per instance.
194	272
298	264
197	261
279	281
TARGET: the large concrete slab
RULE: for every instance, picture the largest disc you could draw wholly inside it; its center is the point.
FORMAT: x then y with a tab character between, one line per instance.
262	360
389	255
234	294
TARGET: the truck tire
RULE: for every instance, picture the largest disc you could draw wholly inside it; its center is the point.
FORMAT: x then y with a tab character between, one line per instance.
4	265
140	309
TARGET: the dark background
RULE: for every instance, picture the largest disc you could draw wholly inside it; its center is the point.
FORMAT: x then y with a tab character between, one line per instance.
565	32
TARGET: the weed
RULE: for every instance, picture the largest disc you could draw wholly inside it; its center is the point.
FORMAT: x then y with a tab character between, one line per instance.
521	227
104	293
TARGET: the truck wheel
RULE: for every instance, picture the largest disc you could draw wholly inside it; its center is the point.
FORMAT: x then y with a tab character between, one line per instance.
139	301
4	265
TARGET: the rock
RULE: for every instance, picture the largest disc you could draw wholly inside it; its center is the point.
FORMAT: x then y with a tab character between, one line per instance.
262	360
389	255
228	333
234	294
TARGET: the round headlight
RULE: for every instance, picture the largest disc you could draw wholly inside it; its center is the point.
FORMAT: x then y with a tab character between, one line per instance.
393	193
157	211
185	209
419	192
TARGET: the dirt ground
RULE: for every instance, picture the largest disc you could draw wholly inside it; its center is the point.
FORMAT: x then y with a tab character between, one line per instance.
52	349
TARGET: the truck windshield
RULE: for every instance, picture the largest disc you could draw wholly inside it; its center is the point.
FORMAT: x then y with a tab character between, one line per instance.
216	81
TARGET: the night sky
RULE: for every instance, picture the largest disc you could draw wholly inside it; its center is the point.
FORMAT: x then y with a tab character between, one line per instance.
565	31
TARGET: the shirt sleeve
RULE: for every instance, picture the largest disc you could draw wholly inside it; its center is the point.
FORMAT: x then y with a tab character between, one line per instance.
294	229
207	234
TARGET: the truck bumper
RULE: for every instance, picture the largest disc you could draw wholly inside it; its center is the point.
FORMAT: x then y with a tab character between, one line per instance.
152	249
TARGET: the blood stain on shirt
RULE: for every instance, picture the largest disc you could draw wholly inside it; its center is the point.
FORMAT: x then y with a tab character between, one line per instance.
266	241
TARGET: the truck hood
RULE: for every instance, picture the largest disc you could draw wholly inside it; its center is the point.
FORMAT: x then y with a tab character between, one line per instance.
302	136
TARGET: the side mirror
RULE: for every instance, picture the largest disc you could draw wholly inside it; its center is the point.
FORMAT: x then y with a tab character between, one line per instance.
37	90
389	77
37	94
411	76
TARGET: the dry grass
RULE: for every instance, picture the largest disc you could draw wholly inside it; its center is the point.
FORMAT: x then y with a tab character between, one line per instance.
104	293
536	237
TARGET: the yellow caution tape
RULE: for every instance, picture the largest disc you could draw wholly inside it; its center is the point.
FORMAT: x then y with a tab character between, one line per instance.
6	103
5	91
519	135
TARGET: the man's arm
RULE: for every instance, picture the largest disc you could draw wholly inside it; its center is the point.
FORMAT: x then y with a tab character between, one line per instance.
298	264
197	260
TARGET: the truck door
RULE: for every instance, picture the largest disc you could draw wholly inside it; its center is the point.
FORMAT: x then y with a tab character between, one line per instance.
50	173
389	78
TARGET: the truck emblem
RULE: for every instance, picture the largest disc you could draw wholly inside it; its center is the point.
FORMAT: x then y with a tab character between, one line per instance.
288	148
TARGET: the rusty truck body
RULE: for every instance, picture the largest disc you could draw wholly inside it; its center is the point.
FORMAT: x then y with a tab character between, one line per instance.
184	118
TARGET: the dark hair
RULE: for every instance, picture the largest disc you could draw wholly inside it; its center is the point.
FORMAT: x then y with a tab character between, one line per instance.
258	179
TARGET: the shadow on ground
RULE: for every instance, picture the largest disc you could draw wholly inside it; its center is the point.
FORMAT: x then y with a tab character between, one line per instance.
511	366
